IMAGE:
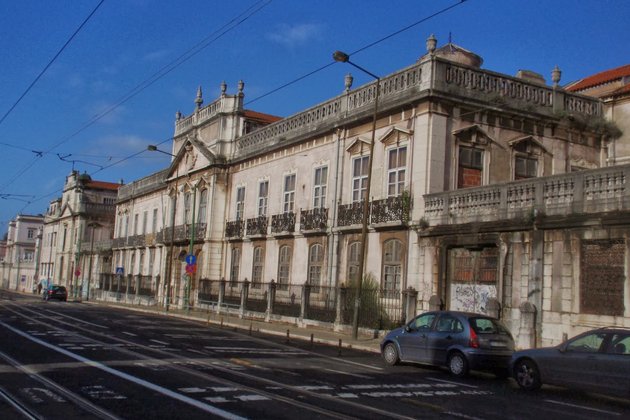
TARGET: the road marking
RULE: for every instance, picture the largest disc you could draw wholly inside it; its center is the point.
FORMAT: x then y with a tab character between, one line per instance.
149	385
453	383
613	413
160	342
130	334
80	320
31	392
349	374
99	392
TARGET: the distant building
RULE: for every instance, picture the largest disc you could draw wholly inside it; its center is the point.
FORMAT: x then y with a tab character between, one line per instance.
19	266
489	193
77	233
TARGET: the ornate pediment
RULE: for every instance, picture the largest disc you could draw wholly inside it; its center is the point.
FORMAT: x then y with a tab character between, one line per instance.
359	146
528	144
396	135
473	134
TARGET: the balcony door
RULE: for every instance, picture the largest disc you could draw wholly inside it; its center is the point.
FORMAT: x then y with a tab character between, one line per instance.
472	278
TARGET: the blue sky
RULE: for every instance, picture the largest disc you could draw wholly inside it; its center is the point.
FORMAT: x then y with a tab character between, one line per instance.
126	42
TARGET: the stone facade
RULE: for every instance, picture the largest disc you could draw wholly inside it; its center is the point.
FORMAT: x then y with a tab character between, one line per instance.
19	266
488	193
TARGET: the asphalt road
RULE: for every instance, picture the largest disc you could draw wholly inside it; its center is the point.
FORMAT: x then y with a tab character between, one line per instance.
72	360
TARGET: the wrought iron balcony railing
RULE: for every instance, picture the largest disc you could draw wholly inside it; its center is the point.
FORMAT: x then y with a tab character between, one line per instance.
257	226
234	229
314	219
351	214
391	209
284	222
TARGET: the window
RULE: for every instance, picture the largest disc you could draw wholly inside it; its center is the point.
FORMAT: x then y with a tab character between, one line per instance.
289	193
109	200
620	344
257	267
448	323
203	203
470	167
315	263
154	222
602	277
240	202
359	178
29	255
353	262
590	343
320	183
145	221
525	167
136	224
30	234
396	171
235	265
187	208
392	267
284	266
423	322
141	263
151	258
263	191
126	230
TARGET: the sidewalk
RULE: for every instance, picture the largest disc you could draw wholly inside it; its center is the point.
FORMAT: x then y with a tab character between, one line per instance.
291	331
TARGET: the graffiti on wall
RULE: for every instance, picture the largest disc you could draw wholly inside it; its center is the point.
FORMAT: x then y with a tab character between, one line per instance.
469	297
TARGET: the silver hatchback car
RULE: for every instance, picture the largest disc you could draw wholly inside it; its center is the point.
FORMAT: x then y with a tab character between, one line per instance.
597	360
461	341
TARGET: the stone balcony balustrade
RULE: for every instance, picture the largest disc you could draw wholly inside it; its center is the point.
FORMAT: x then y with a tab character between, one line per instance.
584	192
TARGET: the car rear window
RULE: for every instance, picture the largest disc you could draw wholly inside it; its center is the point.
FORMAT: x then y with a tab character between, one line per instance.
488	326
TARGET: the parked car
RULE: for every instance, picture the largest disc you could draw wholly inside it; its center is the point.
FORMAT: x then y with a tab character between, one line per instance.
460	341
597	360
56	292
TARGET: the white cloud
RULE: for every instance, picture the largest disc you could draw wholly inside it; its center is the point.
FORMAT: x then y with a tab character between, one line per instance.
156	55
295	35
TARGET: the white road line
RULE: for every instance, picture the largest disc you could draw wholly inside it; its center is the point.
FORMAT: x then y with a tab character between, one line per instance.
583	407
454	383
349	374
80	320
154	387
160	342
130	334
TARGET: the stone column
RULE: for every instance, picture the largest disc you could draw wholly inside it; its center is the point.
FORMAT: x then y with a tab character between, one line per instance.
527	329
244	296
271	298
221	295
410	301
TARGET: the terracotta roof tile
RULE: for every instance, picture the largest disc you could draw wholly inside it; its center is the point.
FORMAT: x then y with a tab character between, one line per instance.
600	78
259	116
103	185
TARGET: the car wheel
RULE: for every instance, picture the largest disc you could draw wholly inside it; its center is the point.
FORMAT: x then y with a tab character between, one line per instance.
457	364
390	354
527	375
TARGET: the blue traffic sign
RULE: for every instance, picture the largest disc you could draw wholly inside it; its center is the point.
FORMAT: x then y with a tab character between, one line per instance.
191	259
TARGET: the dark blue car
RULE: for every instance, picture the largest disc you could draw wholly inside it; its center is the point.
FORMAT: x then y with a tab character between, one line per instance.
460	341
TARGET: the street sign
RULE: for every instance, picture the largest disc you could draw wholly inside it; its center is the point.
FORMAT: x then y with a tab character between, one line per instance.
120	270
191	259
191	268
77	272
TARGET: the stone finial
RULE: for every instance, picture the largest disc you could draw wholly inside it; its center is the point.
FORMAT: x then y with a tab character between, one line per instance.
556	73
223	87
431	44
199	98
347	81
178	116
241	86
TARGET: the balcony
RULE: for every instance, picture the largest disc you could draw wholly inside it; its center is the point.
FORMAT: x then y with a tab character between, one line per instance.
351	214
283	223
555	197
391	209
183	233
257	226
136	240
313	220
234	229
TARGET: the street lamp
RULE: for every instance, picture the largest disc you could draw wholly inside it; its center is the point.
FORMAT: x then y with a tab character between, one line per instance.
93	225
169	257
342	57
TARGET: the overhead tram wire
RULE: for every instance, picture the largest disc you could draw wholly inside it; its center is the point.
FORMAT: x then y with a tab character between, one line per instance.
85	21
196	49
406	28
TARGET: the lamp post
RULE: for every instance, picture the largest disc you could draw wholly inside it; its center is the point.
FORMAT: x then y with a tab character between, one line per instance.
93	225
169	256
345	58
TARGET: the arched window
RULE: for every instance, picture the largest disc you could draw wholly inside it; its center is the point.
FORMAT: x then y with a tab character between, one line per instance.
187	212
315	263
284	267
235	265
257	267
203	206
353	262
392	268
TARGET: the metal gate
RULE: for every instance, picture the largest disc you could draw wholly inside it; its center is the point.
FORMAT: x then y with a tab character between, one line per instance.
471	278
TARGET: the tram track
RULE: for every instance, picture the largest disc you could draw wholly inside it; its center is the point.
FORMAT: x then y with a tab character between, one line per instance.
89	334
